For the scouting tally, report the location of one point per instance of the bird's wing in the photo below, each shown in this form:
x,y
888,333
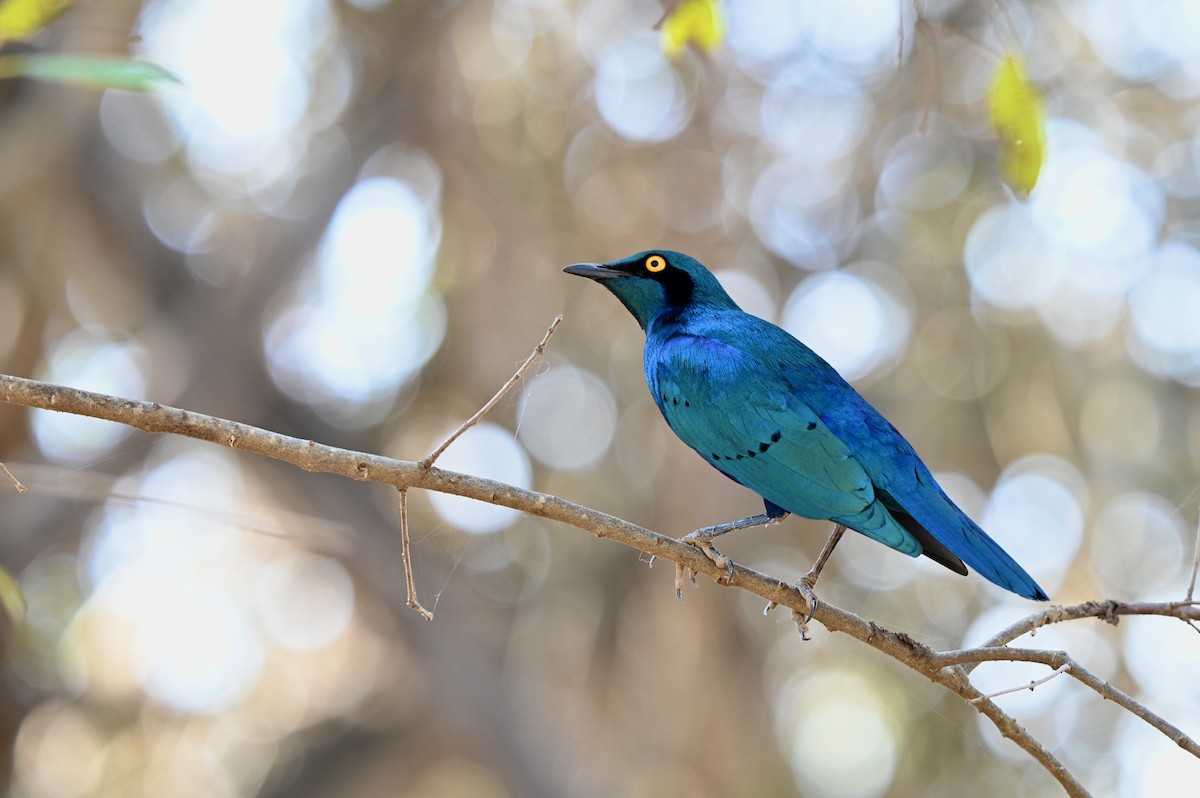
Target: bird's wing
x,y
752,428
748,421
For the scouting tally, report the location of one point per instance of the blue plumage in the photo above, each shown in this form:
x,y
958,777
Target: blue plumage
x,y
769,413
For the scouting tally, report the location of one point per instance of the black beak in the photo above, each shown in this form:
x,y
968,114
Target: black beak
x,y
594,271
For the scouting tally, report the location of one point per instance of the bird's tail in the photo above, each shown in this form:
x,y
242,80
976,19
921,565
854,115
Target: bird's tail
x,y
947,528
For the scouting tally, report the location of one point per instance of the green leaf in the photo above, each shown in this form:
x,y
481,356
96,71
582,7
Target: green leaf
x,y
20,19
95,72
1018,117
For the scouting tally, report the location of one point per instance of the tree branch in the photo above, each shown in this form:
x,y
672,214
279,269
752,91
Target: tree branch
x,y
949,669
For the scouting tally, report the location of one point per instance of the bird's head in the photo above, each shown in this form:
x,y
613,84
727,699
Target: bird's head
x,y
657,283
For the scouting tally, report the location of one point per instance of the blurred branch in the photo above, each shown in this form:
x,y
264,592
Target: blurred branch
x,y
949,669
1195,567
16,482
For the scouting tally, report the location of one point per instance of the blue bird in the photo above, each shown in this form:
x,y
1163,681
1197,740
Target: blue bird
x,y
769,413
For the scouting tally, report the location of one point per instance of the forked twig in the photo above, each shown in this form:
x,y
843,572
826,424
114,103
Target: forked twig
x,y
1059,671
427,463
537,352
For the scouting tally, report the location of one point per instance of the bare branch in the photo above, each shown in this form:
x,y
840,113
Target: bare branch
x,y
406,554
1109,611
403,475
537,352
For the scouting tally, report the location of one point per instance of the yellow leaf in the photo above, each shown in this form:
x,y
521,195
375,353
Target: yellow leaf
x,y
698,22
20,19
1018,117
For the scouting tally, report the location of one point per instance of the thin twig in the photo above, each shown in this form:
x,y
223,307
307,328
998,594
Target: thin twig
x,y
537,352
1059,671
406,555
21,488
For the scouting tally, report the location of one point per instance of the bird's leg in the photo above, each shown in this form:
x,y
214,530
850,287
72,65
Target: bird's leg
x,y
702,539
809,581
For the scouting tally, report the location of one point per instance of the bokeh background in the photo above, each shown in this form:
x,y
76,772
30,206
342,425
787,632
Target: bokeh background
x,y
347,224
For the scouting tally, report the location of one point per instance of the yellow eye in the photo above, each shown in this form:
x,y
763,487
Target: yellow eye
x,y
656,263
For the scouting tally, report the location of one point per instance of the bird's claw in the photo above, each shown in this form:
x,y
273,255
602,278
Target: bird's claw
x,y
682,573
810,598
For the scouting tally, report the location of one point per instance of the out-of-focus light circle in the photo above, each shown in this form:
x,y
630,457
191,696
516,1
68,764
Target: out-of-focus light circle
x,y
1137,546
749,293
812,118
134,127
639,94
1161,657
1151,763
853,323
59,751
485,450
243,68
1010,262
805,212
766,30
305,602
1036,514
1078,317
836,734
81,360
172,528
1102,212
1118,38
195,650
1121,419
568,418
857,34
1163,308
926,169
363,320
959,359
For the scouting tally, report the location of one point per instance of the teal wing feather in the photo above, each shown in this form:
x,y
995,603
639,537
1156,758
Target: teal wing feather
x,y
758,432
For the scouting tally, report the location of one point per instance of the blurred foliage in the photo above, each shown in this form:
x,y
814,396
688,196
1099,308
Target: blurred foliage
x,y
699,22
348,223
20,19
97,73
1018,115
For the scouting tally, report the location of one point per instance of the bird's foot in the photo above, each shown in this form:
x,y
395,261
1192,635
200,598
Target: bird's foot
x,y
702,540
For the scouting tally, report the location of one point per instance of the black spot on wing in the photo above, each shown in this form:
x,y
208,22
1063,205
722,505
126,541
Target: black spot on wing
x,y
776,435
812,425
